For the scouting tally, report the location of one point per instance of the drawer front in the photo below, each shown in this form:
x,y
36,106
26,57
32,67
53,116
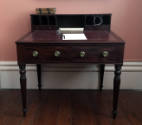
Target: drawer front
x,y
68,54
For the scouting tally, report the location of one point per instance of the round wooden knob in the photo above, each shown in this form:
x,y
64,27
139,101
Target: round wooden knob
x,y
35,53
57,53
105,54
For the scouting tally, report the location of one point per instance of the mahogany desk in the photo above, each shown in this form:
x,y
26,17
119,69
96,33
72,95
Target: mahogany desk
x,y
45,45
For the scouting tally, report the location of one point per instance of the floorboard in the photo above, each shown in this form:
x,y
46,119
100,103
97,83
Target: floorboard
x,y
73,107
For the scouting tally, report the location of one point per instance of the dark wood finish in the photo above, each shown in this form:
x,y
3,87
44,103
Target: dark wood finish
x,y
55,107
70,54
101,76
116,85
47,42
39,76
39,46
42,27
22,71
53,37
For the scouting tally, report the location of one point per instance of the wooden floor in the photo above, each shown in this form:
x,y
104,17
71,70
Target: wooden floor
x,y
70,108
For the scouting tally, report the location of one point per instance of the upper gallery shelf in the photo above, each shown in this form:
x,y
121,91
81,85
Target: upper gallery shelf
x,y
54,21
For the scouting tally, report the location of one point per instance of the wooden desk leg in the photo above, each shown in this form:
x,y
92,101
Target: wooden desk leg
x,y
101,76
23,86
39,76
116,87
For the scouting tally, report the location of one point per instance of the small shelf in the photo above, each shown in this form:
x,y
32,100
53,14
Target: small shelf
x,y
52,20
35,20
89,20
44,20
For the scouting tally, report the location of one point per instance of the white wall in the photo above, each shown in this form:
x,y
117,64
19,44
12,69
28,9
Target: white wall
x,y
70,76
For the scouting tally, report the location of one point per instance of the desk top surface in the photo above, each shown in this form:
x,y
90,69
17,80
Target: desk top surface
x,y
52,36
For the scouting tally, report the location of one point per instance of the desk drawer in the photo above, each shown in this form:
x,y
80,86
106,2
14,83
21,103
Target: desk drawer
x,y
67,54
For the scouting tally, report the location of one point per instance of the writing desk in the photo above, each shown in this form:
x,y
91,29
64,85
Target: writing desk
x,y
45,45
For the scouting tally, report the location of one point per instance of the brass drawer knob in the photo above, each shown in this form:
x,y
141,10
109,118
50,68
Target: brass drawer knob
x,y
82,54
105,54
35,53
57,53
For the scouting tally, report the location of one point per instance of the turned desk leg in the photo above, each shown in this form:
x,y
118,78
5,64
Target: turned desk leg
x,y
39,76
116,87
23,86
101,76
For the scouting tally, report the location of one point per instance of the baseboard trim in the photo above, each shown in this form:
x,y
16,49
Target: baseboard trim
x,y
70,76
127,67
52,89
